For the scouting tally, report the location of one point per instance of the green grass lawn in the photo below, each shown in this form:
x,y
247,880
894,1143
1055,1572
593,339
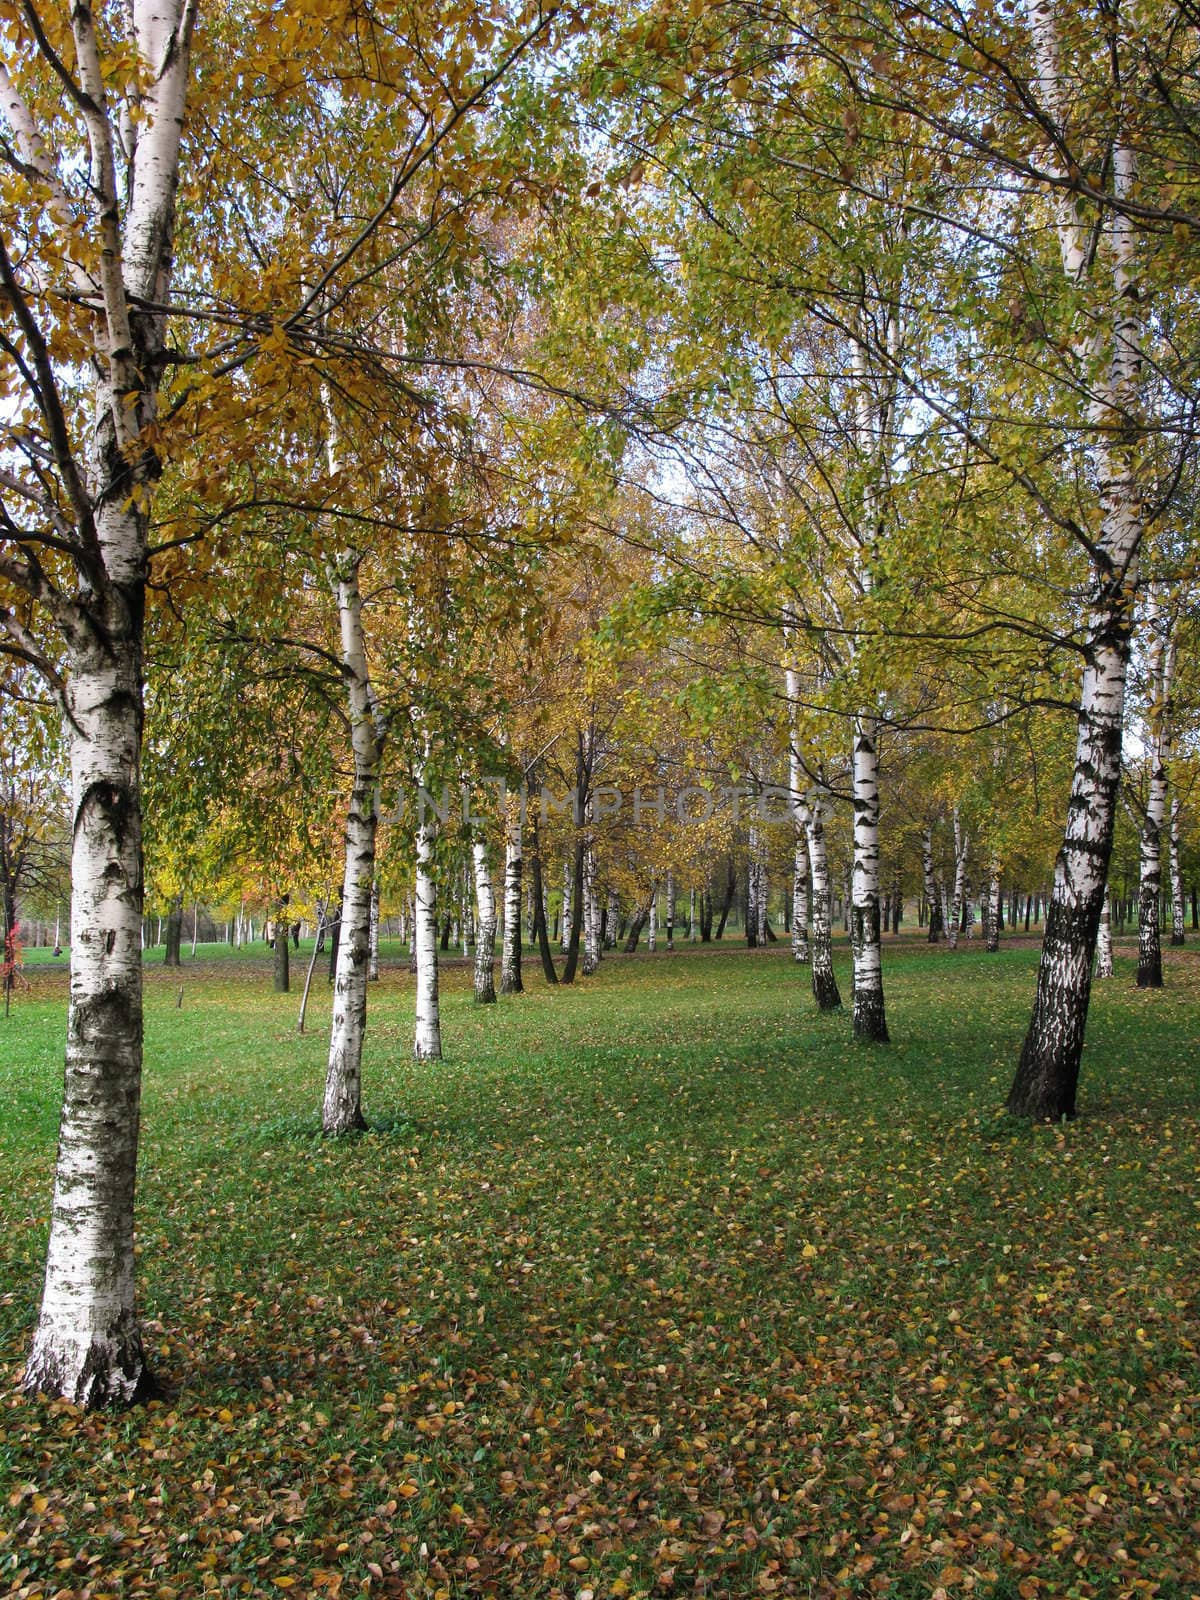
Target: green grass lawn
x,y
657,1286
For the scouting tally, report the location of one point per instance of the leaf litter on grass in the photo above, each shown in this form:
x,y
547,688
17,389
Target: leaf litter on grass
x,y
646,1293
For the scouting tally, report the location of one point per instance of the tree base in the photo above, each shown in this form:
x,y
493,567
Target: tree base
x,y
870,1021
107,1373
1149,975
825,991
1043,1089
339,1127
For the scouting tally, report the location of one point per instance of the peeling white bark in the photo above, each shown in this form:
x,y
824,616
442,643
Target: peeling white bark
x,y
869,1014
1104,949
1048,1072
342,1111
1177,913
485,925
427,1039
824,983
933,893
1159,721
591,912
510,962
962,848
86,1346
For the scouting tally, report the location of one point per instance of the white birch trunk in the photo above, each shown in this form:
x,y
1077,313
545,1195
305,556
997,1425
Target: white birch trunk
x,y
342,1112
870,1020
1177,913
427,1039
1047,1074
1159,721
652,926
824,982
485,925
933,893
800,951
591,913
1104,949
565,930
510,963
962,847
373,957
670,911
753,887
799,810
991,920
86,1346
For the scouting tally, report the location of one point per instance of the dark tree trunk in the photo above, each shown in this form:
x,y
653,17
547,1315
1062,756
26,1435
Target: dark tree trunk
x,y
172,958
727,903
335,938
641,917
282,977
540,931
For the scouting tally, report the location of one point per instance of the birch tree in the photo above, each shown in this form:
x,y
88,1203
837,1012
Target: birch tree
x,y
96,181
342,1108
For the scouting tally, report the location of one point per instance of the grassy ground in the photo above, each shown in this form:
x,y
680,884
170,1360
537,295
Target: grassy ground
x,y
656,1287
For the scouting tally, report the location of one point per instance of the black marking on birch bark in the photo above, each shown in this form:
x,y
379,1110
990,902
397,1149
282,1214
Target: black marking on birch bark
x,y
117,809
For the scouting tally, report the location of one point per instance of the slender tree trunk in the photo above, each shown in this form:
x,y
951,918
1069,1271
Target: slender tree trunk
x,y
591,914
1047,1074
1159,719
670,909
824,983
565,931
870,1021
172,956
1177,912
800,950
510,963
652,926
706,916
312,965
962,845
636,927
427,1040
280,928
576,905
994,913
727,902
932,890
342,1112
1104,949
540,931
373,959
485,924
753,890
